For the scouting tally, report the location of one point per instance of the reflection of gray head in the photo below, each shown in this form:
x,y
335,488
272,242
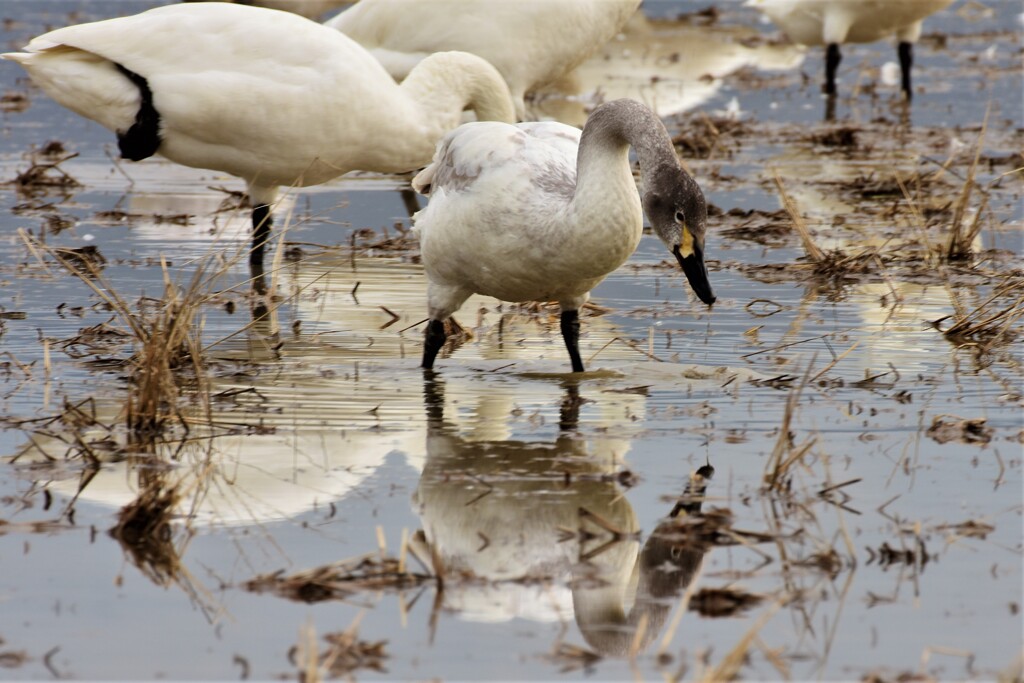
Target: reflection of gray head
x,y
667,565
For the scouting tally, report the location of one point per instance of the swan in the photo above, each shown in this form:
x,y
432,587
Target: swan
x,y
532,43
834,22
541,211
262,94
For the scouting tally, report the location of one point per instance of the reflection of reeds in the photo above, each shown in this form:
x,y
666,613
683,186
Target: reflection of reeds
x,y
340,580
988,324
961,234
831,263
144,529
345,653
166,336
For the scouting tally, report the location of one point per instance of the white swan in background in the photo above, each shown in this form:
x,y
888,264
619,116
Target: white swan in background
x,y
265,95
834,22
531,43
541,212
313,9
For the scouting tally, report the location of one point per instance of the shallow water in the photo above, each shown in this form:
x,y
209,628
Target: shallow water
x,y
535,494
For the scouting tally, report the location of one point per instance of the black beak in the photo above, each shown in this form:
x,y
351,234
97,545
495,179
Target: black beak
x,y
696,273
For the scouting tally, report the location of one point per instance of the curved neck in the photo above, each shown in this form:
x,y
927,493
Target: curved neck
x,y
615,127
446,83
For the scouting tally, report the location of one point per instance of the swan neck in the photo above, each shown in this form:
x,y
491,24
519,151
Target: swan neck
x,y
447,83
613,128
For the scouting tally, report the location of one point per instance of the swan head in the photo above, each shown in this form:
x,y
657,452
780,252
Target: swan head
x,y
675,206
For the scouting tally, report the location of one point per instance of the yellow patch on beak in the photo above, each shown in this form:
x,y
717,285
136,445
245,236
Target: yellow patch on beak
x,y
686,248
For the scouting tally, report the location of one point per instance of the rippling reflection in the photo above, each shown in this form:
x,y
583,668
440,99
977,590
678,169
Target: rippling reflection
x,y
671,66
542,530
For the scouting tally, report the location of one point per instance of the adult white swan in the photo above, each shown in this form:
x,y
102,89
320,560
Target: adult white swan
x,y
833,22
265,95
541,212
531,43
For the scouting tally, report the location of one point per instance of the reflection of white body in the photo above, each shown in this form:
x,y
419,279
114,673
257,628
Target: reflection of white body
x,y
289,466
669,66
820,22
531,43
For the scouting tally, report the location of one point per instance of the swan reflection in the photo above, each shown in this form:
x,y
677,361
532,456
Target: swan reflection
x,y
671,66
543,531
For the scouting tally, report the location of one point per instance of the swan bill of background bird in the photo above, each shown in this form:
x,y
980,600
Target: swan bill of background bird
x,y
532,44
544,212
261,94
834,22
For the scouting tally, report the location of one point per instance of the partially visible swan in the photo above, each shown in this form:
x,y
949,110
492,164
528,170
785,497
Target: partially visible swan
x,y
531,43
833,22
265,95
541,212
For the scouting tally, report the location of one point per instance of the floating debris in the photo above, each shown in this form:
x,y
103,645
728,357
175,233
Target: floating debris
x,y
339,580
723,602
972,431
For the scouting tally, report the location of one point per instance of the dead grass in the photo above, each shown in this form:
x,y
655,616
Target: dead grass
x,y
991,323
345,653
145,532
164,335
340,580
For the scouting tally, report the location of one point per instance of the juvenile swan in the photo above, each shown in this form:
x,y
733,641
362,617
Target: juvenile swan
x,y
541,212
265,95
833,22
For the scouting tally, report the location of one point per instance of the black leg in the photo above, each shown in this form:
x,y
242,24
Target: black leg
x,y
906,52
832,59
571,335
433,340
261,222
412,204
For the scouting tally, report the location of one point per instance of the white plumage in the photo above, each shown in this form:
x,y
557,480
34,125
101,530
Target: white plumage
x,y
531,42
265,95
834,22
539,211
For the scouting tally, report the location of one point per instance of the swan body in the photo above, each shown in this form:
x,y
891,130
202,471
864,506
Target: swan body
x,y
532,43
265,95
541,211
834,22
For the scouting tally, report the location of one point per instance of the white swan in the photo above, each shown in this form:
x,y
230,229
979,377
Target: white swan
x,y
532,43
833,22
541,212
265,95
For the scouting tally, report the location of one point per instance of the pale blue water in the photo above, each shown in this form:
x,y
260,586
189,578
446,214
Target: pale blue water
x,y
345,446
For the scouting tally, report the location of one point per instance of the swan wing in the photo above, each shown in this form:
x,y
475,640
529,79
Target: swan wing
x,y
254,92
542,154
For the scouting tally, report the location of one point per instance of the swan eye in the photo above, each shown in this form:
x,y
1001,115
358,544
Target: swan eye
x,y
680,218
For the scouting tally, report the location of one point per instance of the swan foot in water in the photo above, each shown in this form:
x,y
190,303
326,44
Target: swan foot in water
x,y
433,340
571,335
